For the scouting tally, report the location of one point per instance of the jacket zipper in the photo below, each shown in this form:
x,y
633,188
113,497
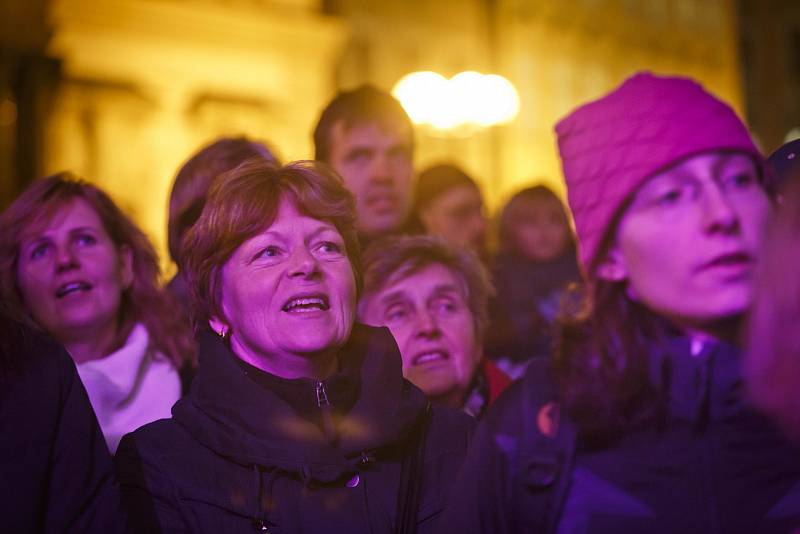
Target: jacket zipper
x,y
326,410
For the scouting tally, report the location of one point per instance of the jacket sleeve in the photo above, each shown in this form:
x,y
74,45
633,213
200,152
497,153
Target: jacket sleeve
x,y
83,494
481,500
148,495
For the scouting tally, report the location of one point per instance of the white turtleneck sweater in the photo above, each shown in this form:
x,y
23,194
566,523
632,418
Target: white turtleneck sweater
x,y
130,387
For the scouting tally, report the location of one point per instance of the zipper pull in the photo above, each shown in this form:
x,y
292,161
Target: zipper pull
x,y
327,412
322,395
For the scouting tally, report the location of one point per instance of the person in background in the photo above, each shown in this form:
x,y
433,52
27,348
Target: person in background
x,y
639,424
79,269
532,271
367,137
56,471
773,358
448,203
298,419
433,297
190,188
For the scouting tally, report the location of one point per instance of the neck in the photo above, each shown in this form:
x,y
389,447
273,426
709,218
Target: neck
x,y
88,346
318,366
725,330
453,399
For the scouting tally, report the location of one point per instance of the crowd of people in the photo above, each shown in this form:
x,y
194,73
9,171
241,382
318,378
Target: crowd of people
x,y
346,348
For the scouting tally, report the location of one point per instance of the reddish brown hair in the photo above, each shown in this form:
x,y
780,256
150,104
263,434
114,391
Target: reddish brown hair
x,y
144,301
244,202
191,184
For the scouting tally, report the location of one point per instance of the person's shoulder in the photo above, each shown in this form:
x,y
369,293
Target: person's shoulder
x,y
30,354
524,397
160,438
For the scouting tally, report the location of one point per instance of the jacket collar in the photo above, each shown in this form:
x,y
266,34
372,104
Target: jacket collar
x,y
698,384
255,424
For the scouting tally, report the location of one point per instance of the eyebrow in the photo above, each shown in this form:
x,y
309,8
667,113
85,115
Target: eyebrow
x,y
444,289
394,296
45,236
438,290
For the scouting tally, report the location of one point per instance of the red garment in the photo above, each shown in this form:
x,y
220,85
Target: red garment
x,y
498,381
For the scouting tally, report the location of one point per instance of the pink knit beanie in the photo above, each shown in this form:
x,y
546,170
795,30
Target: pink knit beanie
x,y
611,146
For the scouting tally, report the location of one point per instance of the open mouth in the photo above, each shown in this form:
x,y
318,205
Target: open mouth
x,y
72,287
306,304
430,356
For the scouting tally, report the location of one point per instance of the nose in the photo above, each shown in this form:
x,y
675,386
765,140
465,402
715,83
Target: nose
x,y
382,169
303,264
720,214
66,259
427,325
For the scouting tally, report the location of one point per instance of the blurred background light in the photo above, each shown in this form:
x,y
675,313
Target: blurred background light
x,y
467,99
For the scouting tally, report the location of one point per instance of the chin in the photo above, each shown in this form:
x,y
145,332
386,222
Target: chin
x,y
314,345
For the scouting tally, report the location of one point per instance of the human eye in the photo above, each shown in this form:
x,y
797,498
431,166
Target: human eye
x,y
669,196
328,247
445,306
400,154
742,180
268,252
395,313
359,155
39,250
85,239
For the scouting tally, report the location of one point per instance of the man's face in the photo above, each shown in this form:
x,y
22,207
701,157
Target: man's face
x,y
375,161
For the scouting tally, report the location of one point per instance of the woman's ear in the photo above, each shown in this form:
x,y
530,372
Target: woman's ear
x,y
613,267
218,327
126,266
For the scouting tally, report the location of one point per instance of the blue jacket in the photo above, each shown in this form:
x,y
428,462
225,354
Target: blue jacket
x,y
710,466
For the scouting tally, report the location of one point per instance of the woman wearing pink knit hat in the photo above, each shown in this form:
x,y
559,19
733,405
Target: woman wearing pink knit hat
x,y
639,424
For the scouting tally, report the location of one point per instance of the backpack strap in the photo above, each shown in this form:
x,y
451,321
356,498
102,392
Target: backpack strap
x,y
545,456
410,490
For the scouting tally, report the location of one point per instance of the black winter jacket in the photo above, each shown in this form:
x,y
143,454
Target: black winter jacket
x,y
711,467
56,474
259,451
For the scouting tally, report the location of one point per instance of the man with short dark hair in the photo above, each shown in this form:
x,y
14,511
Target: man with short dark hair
x,y
367,137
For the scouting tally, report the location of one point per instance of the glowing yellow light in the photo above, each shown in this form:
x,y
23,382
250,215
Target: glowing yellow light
x,y
420,93
468,98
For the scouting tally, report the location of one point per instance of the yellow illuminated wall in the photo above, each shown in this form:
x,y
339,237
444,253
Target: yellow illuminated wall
x,y
147,82
558,54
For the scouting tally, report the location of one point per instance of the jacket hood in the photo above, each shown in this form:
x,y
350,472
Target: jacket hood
x,y
238,418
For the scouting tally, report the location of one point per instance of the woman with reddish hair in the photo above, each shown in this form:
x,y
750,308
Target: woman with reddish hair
x,y
76,267
639,424
299,419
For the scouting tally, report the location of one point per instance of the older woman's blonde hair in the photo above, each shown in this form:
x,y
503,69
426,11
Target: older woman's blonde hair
x,y
143,302
244,202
